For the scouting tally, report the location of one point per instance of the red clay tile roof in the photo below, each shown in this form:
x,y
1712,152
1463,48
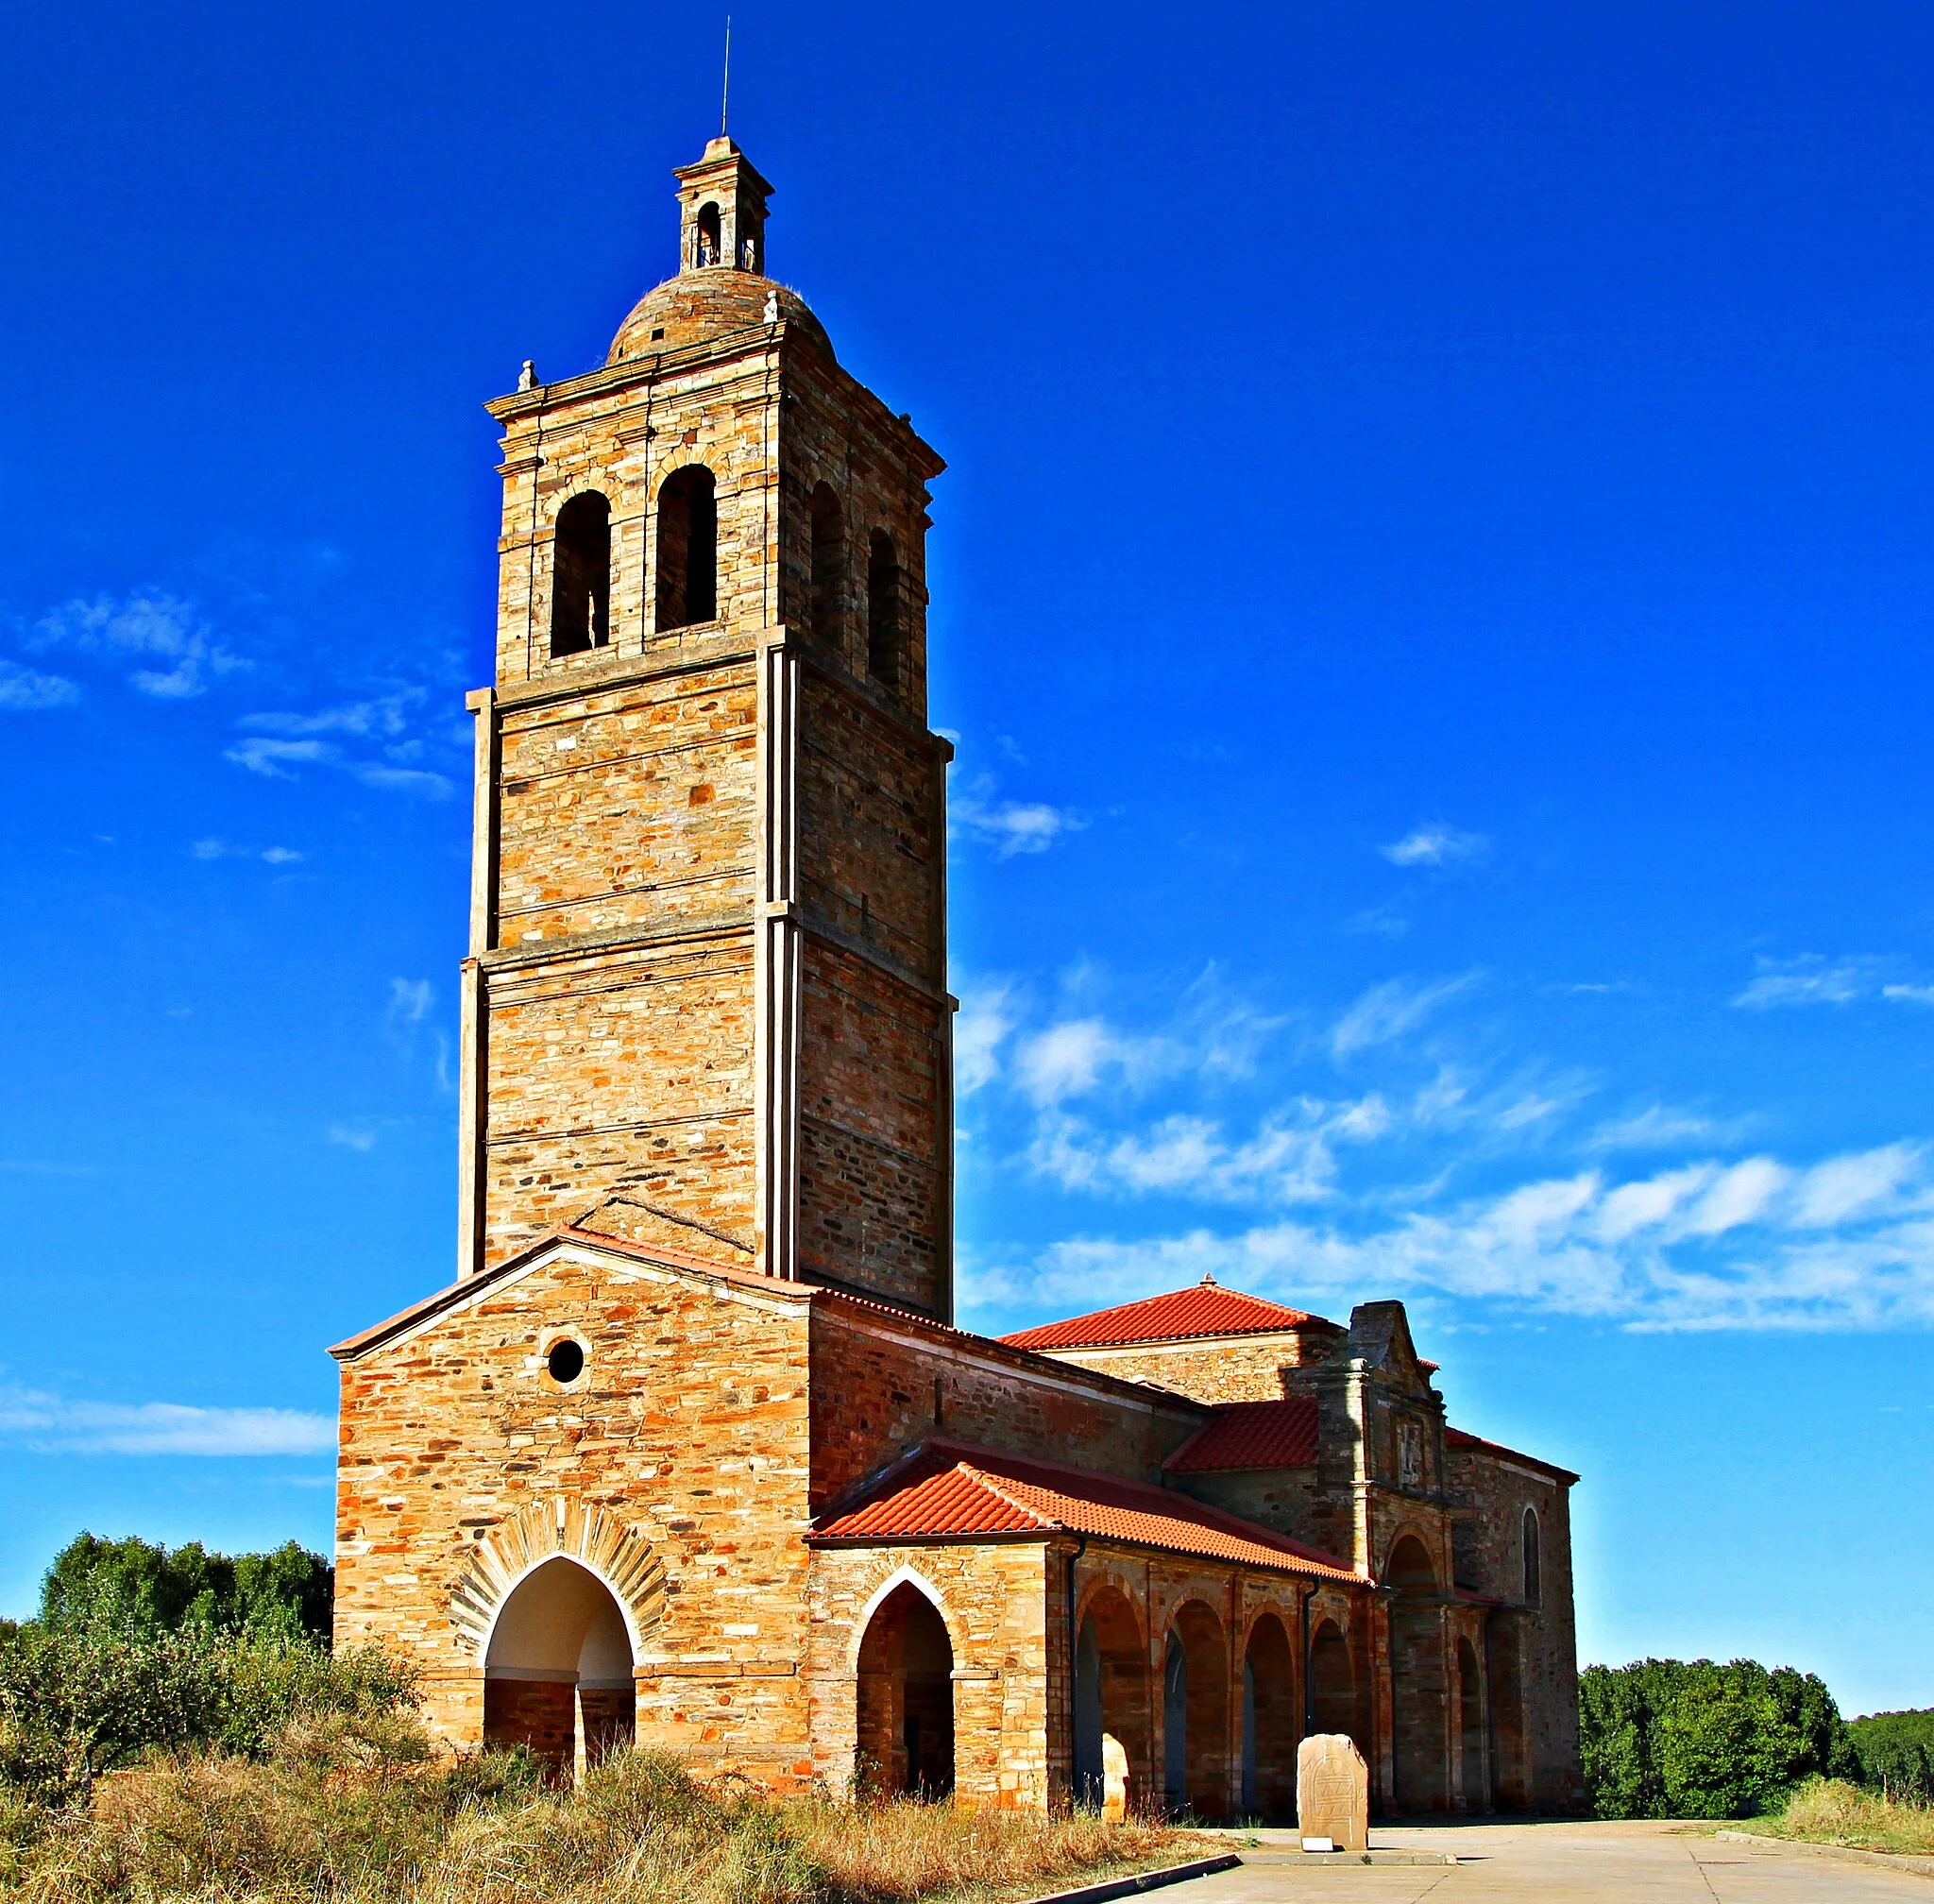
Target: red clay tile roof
x,y
1458,1437
1207,1309
946,1491
1251,1434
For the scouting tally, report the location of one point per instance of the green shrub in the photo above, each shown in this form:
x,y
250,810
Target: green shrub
x,y
1677,1739
79,1701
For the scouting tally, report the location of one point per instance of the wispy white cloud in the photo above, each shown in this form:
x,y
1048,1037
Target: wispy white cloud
x,y
410,1000
1758,1244
382,718
1392,1011
352,1136
985,1020
1377,922
398,779
224,849
60,1425
1435,843
1814,979
1208,1035
1014,827
25,690
172,634
975,811
1658,1127
1290,1159
278,758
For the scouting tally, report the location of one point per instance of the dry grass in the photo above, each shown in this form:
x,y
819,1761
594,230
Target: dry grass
x,y
356,1819
1830,1811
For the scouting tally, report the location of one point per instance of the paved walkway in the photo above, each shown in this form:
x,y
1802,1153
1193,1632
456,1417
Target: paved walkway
x,y
1557,1864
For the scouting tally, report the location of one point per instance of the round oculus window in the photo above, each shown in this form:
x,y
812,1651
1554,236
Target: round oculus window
x,y
565,1360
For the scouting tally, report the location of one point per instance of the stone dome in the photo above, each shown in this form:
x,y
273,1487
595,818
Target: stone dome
x,y
697,306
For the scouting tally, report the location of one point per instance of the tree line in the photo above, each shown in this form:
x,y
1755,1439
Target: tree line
x,y
1691,1738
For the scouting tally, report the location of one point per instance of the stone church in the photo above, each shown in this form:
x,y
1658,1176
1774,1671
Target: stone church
x,y
690,1453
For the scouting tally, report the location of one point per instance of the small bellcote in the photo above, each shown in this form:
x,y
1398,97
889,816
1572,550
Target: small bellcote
x,y
722,210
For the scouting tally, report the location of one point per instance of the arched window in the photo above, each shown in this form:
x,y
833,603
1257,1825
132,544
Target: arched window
x,y
828,567
581,575
688,547
1533,1564
883,629
706,235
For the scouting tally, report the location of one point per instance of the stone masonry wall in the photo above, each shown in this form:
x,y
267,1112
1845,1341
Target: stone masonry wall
x,y
633,806
868,823
880,1391
1286,1499
993,1598
1491,1493
630,1064
689,1425
873,1130
1228,1369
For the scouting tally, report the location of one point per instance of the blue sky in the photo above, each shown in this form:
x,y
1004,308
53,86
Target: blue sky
x,y
1432,591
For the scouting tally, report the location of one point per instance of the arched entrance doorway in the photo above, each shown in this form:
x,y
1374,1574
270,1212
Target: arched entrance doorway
x,y
1195,1714
905,1699
1470,1726
559,1668
1111,1696
1270,1728
1417,1680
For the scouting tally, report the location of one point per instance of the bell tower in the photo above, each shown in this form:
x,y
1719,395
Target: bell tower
x,y
706,982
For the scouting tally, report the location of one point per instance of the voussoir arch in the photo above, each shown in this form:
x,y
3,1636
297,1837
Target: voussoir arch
x,y
903,1577
619,1555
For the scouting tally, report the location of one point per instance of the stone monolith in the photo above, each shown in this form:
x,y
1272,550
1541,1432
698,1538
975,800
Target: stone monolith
x,y
1332,1791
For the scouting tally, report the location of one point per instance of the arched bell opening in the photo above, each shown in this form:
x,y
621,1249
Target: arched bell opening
x,y
1195,1714
688,547
559,1670
1271,1729
581,575
905,1699
1110,1699
705,236
1417,1677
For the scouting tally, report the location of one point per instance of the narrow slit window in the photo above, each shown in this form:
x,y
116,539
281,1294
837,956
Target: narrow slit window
x,y
1534,1560
581,577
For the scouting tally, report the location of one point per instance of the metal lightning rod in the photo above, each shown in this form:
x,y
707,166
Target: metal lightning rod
x,y
725,95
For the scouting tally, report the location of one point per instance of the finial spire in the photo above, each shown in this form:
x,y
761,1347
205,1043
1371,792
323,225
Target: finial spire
x,y
725,91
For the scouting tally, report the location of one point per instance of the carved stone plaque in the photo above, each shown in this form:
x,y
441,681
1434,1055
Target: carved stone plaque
x,y
1332,1791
